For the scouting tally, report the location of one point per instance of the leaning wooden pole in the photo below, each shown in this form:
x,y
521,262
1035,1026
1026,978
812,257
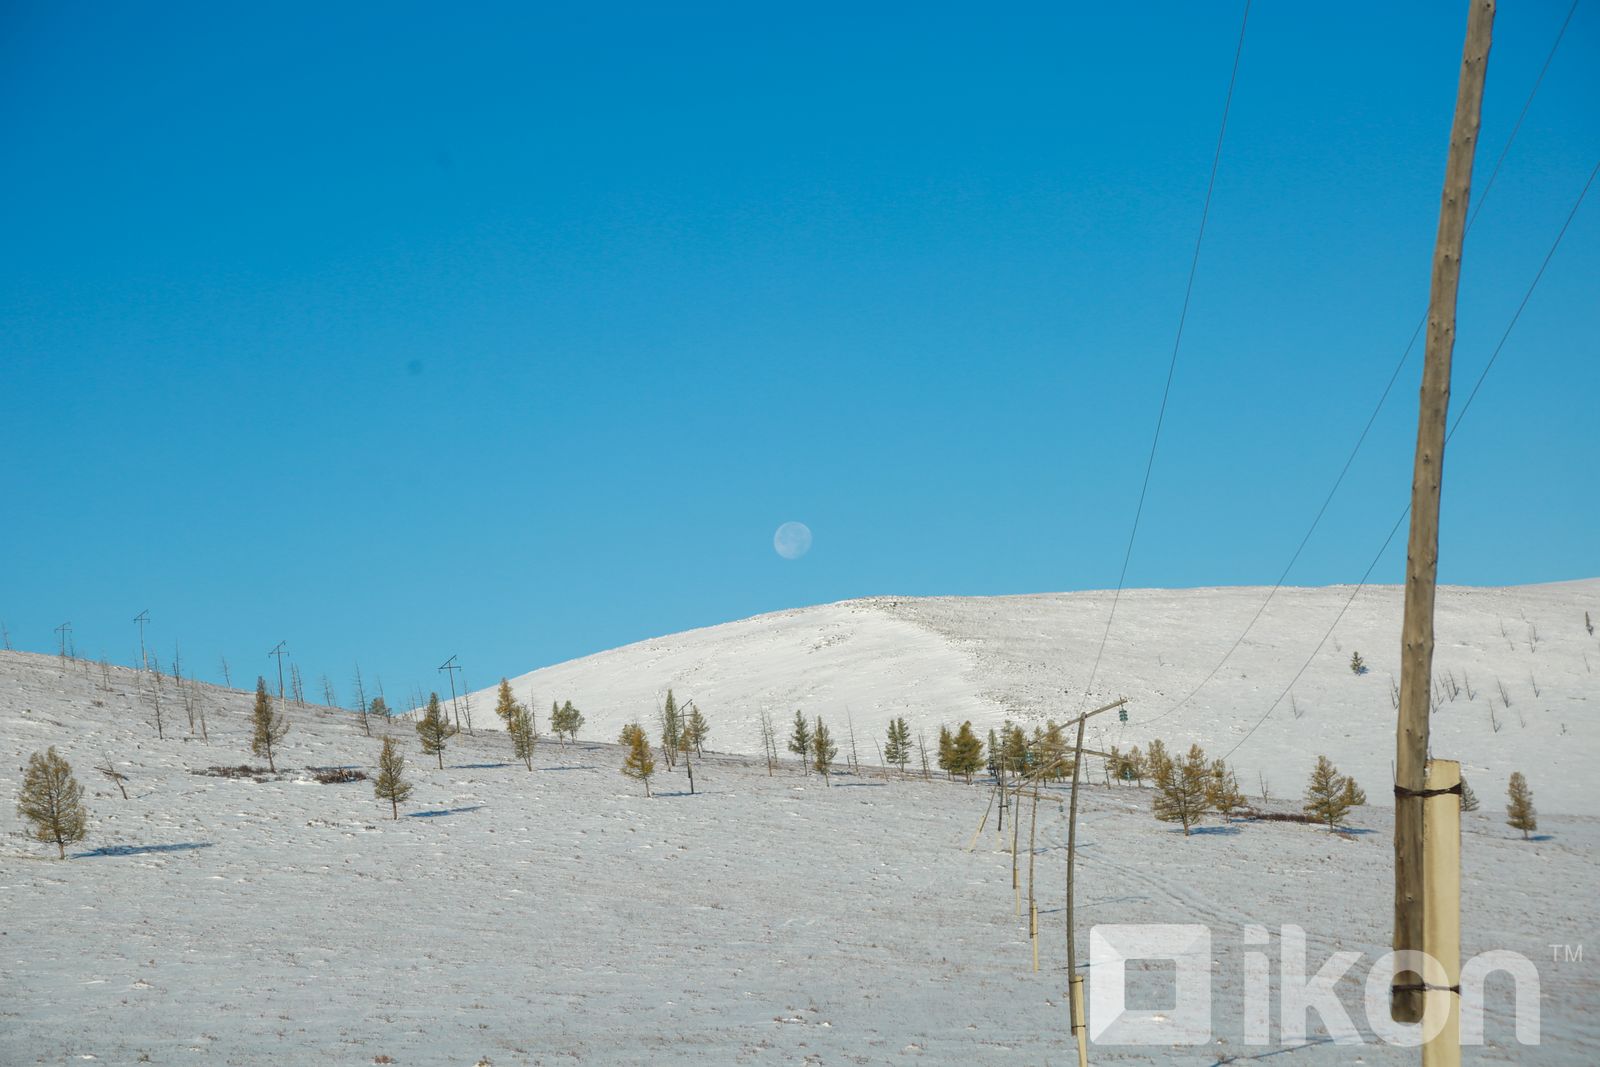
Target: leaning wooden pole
x,y
1422,549
1074,980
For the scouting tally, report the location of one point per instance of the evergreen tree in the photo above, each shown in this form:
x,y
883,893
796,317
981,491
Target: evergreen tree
x,y
1052,751
1353,796
1157,762
696,729
947,748
1014,747
566,721
894,749
904,729
52,801
1519,809
268,726
391,784
1358,666
523,739
1133,766
1469,799
506,705
966,754
800,741
1224,794
1327,794
637,762
671,730
434,729
823,750
1181,792
379,708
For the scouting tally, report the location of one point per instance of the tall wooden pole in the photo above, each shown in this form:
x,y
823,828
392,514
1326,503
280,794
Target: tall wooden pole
x,y
1074,980
1422,550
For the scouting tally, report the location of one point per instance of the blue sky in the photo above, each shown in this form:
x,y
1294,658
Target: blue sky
x,y
395,331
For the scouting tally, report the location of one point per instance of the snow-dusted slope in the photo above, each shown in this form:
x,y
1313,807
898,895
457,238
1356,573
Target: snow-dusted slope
x,y
1028,658
521,917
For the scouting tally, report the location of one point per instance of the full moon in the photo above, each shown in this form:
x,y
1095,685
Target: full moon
x,y
792,540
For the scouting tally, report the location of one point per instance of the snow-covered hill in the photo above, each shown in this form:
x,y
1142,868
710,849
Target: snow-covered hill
x,y
1519,676
517,917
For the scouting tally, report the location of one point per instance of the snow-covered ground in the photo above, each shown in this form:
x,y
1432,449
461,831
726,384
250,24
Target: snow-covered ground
x,y
559,916
947,659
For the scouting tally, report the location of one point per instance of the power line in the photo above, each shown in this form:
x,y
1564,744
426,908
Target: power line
x,y
1383,398
1177,343
1455,425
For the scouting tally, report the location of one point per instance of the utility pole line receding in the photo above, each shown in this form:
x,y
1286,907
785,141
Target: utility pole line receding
x,y
1406,998
64,631
144,657
280,651
450,666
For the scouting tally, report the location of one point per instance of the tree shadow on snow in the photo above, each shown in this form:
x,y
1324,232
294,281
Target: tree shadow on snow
x,y
139,850
583,767
1210,831
474,766
442,811
1242,1058
860,785
1542,837
686,793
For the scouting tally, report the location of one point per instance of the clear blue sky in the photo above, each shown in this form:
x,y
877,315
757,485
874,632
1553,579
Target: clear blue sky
x,y
396,331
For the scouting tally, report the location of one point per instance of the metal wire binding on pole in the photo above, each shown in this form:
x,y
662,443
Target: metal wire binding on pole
x,y
1383,398
1172,364
1454,426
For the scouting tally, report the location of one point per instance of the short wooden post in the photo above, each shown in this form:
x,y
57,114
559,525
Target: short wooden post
x,y
1441,937
1079,1030
1016,877
1033,903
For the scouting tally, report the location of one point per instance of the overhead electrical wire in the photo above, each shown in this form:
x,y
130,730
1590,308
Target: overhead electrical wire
x,y
1383,397
1454,425
1177,343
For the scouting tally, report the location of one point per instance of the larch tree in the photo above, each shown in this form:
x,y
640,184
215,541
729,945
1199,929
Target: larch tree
x,y
800,741
1327,794
696,729
1224,793
823,751
433,730
966,752
268,726
391,784
895,745
671,730
1182,792
505,704
523,738
1469,799
1520,814
637,763
566,721
51,801
947,749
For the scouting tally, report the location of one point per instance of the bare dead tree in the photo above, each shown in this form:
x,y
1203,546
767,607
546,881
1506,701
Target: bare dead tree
x,y
328,699
1533,682
922,751
361,701
115,775
297,685
1505,697
227,677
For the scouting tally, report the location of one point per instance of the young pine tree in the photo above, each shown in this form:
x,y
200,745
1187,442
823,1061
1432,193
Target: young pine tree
x,y
823,751
671,730
1181,793
523,739
268,726
893,755
800,741
1157,762
1327,794
637,763
505,704
903,740
947,749
966,752
1469,799
379,709
566,721
52,801
1358,666
433,729
1519,807
1133,764
1225,795
1353,796
391,784
696,729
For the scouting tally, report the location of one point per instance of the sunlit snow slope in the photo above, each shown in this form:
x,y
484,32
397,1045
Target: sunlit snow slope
x,y
1028,658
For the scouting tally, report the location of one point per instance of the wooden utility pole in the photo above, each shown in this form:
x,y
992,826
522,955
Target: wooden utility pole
x,y
144,657
451,667
1075,980
1422,549
280,650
